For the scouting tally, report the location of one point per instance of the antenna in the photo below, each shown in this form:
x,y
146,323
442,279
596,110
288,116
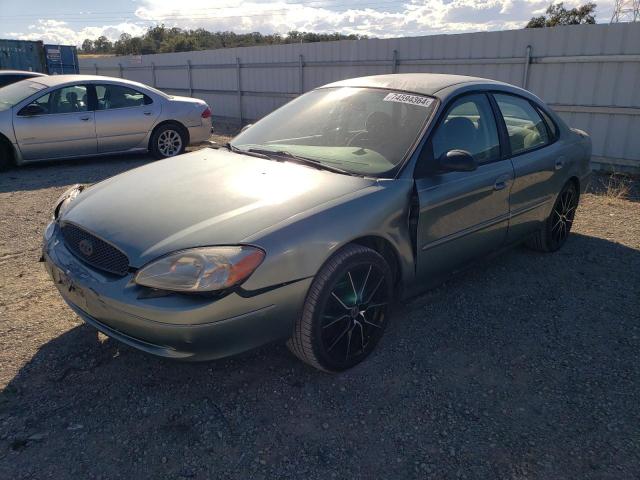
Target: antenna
x,y
626,11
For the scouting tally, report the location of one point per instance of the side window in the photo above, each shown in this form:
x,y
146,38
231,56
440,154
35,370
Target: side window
x,y
117,96
469,125
524,124
64,100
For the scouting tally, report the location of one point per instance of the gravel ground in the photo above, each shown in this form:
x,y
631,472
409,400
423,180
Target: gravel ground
x,y
524,367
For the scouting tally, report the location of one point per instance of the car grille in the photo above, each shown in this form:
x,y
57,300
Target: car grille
x,y
95,251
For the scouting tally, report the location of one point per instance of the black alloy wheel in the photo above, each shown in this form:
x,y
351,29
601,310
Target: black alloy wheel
x,y
346,310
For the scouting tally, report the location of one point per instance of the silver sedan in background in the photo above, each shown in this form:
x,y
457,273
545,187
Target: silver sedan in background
x,y
70,116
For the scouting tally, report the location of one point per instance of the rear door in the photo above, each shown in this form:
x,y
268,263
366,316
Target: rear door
x,y
538,162
124,116
462,215
63,126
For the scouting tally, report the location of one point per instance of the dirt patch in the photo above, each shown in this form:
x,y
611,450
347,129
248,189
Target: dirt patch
x,y
524,367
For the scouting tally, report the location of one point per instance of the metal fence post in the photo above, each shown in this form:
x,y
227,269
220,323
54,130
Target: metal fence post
x,y
239,89
121,70
153,74
190,78
96,67
394,64
301,74
527,62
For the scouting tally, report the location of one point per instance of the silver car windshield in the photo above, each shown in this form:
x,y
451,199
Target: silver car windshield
x,y
366,131
16,92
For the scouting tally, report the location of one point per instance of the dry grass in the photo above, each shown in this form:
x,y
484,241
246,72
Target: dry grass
x,y
616,186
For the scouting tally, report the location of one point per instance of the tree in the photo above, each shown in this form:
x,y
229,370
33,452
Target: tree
x,y
123,45
87,46
160,39
558,15
103,45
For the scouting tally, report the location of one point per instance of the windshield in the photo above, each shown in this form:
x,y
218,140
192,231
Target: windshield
x,y
366,131
16,92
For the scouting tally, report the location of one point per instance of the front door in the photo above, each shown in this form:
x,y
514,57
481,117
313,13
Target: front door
x,y
58,124
124,117
462,215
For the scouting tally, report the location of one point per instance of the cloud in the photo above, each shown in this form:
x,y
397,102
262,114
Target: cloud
x,y
60,32
381,18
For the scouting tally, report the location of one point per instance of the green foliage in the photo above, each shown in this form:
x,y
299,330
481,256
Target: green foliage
x,y
102,45
558,15
160,39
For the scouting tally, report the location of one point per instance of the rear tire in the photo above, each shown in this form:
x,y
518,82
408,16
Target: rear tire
x,y
553,235
168,140
345,312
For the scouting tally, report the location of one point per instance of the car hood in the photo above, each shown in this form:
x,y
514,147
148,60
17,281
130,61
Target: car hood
x,y
208,197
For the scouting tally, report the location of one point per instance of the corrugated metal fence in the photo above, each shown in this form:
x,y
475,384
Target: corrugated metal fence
x,y
589,74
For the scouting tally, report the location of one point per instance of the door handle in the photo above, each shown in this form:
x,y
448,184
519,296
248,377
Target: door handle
x,y
84,119
559,163
501,183
147,113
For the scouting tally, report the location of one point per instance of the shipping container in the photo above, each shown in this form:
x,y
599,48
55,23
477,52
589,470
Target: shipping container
x,y
36,57
61,59
22,55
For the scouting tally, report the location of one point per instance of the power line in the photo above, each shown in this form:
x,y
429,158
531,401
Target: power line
x,y
80,16
626,11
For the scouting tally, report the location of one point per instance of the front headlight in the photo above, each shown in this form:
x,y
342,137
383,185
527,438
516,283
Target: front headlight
x,y
203,269
62,204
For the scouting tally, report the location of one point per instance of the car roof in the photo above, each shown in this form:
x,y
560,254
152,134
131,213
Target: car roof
x,y
55,80
422,83
22,72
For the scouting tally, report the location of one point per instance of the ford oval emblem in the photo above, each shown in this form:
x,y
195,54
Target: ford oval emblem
x,y
86,247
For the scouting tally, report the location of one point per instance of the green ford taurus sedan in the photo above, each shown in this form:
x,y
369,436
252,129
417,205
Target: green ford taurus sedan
x,y
311,222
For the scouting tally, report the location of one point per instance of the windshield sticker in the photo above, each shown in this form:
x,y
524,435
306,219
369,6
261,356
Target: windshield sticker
x,y
409,99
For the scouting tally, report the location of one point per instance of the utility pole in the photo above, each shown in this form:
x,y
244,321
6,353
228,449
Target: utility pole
x,y
626,11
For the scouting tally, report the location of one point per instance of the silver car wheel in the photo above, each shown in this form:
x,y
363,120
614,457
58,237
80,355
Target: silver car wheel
x,y
169,143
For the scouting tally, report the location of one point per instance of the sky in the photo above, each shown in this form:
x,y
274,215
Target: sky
x,y
71,21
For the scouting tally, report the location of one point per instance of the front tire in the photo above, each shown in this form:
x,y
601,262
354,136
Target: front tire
x,y
168,140
553,235
345,312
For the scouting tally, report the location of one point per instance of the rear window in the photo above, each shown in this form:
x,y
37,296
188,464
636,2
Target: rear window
x,y
17,92
9,79
553,129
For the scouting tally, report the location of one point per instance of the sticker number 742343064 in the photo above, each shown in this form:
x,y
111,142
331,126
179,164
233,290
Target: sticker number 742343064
x,y
417,100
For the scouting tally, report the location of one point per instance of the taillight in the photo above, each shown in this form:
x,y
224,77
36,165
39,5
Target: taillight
x,y
206,113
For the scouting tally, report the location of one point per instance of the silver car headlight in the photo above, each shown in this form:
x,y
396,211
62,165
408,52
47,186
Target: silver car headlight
x,y
203,269
63,202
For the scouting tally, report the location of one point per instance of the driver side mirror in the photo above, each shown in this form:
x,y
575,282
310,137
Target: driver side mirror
x,y
31,110
457,161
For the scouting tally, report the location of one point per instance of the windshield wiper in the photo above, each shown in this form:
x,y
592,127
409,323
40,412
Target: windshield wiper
x,y
298,159
234,149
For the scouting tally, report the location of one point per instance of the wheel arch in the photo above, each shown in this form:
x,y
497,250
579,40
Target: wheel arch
x,y
184,129
10,148
388,251
576,181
